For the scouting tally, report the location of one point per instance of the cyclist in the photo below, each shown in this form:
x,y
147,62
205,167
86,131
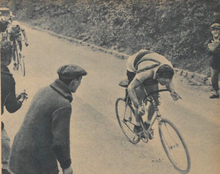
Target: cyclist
x,y
14,34
145,70
214,52
9,100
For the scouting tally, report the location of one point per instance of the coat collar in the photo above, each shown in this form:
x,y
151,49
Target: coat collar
x,y
5,70
61,88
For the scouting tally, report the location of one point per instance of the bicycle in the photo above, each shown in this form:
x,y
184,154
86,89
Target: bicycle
x,y
18,58
170,137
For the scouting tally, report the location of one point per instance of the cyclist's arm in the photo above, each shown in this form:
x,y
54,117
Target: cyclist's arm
x,y
131,91
12,104
24,34
170,86
136,82
173,94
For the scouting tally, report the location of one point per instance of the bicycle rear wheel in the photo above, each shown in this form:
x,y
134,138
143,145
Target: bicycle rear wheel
x,y
16,60
125,115
22,64
174,146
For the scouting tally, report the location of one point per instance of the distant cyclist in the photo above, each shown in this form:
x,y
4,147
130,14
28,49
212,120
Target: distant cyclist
x,y
145,70
14,33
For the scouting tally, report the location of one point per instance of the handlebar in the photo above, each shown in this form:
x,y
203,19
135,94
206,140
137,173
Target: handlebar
x,y
158,91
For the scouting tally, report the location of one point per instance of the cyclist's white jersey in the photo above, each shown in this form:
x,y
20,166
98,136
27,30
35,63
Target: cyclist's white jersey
x,y
150,61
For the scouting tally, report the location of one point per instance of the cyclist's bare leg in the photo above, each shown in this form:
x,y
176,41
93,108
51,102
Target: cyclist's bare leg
x,y
140,93
13,54
156,98
19,39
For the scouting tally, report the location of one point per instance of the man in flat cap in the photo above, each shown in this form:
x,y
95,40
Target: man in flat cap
x,y
214,53
44,137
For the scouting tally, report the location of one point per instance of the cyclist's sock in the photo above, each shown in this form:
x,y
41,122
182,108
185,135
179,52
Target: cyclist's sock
x,y
138,124
148,121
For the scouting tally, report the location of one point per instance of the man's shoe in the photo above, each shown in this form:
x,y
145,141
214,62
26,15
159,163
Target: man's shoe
x,y
214,96
137,129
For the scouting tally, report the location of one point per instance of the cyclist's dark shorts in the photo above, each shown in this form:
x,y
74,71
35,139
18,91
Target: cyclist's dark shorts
x,y
147,82
15,37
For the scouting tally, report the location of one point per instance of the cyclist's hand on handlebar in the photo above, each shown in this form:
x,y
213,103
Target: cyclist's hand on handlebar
x,y
174,95
156,102
141,110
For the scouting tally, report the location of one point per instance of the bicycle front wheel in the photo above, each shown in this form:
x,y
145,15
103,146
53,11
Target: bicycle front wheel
x,y
125,117
174,146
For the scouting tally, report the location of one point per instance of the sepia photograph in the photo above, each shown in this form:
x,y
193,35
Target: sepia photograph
x,y
110,86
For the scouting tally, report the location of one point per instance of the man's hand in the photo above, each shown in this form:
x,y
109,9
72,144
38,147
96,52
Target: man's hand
x,y
141,110
174,95
212,46
26,44
69,170
23,96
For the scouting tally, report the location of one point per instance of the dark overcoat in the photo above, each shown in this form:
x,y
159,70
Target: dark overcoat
x,y
44,135
215,56
8,96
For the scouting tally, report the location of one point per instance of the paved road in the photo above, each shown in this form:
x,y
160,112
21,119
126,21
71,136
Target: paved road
x,y
97,143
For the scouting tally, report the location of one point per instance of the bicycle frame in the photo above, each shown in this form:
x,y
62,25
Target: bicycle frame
x,y
170,136
157,116
18,57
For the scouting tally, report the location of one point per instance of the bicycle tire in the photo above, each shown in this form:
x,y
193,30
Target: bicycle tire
x,y
129,134
22,65
17,59
186,157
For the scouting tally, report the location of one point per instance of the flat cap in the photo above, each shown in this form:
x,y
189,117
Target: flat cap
x,y
215,26
71,72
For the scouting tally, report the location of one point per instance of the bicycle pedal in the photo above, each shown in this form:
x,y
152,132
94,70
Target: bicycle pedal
x,y
141,134
151,134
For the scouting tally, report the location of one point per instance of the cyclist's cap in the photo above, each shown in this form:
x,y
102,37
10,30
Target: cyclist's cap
x,y
215,26
71,72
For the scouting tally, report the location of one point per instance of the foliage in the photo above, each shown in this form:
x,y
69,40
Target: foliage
x,y
177,29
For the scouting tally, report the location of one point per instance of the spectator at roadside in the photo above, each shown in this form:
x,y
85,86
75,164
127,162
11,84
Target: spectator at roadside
x,y
8,99
44,136
214,52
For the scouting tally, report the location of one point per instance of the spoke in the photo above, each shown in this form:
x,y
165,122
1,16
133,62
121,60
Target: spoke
x,y
170,137
170,134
